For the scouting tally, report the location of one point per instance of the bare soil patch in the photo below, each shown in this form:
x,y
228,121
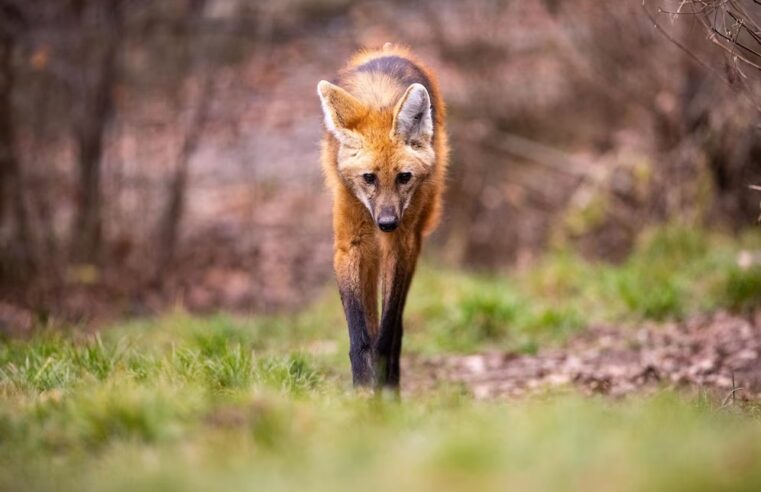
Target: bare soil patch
x,y
720,353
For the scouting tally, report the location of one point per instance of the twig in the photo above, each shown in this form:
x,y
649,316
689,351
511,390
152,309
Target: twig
x,y
731,395
541,154
679,45
713,16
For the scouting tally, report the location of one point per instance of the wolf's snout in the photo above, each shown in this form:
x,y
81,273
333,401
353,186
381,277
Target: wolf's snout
x,y
387,221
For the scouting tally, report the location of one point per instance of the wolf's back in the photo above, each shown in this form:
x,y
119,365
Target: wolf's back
x,y
379,77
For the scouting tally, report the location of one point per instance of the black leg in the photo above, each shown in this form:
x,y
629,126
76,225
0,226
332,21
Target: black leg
x,y
360,346
389,344
394,373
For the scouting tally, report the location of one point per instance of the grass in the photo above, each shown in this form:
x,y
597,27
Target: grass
x,y
263,403
672,274
176,419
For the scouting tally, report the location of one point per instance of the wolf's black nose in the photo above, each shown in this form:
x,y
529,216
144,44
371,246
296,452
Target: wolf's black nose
x,y
387,223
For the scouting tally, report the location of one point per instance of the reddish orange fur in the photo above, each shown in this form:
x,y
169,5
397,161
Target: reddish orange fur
x,y
376,124
363,255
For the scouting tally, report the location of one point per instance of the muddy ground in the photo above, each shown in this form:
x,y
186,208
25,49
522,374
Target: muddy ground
x,y
718,353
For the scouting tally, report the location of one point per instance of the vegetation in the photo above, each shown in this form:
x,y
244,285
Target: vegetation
x,y
189,403
162,153
170,423
673,273
155,151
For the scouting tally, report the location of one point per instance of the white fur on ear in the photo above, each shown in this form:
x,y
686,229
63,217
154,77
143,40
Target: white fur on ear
x,y
340,110
323,89
413,119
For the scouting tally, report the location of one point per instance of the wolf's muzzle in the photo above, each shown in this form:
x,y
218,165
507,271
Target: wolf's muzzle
x,y
387,221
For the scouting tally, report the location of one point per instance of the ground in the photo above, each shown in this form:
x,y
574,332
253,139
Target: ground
x,y
566,375
719,353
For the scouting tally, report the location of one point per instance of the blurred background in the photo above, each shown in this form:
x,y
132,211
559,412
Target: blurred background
x,y
163,153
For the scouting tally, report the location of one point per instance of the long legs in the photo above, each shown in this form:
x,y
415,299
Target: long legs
x,y
357,273
398,269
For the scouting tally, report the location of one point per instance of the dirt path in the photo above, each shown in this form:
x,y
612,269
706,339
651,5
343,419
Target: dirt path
x,y
705,352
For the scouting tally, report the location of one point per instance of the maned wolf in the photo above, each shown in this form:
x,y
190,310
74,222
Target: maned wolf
x,y
384,156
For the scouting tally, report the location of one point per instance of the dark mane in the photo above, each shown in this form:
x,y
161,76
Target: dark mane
x,y
403,70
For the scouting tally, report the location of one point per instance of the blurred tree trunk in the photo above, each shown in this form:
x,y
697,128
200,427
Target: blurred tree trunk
x,y
169,224
87,233
11,189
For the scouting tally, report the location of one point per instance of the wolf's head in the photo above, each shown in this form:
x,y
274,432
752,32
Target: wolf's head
x,y
384,155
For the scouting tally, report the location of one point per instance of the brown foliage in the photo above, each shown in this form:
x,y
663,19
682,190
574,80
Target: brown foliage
x,y
161,144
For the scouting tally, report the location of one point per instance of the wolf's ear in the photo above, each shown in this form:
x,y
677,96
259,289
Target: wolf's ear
x,y
341,110
412,116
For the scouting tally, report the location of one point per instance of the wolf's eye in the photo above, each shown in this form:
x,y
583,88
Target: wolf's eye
x,y
369,178
404,178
